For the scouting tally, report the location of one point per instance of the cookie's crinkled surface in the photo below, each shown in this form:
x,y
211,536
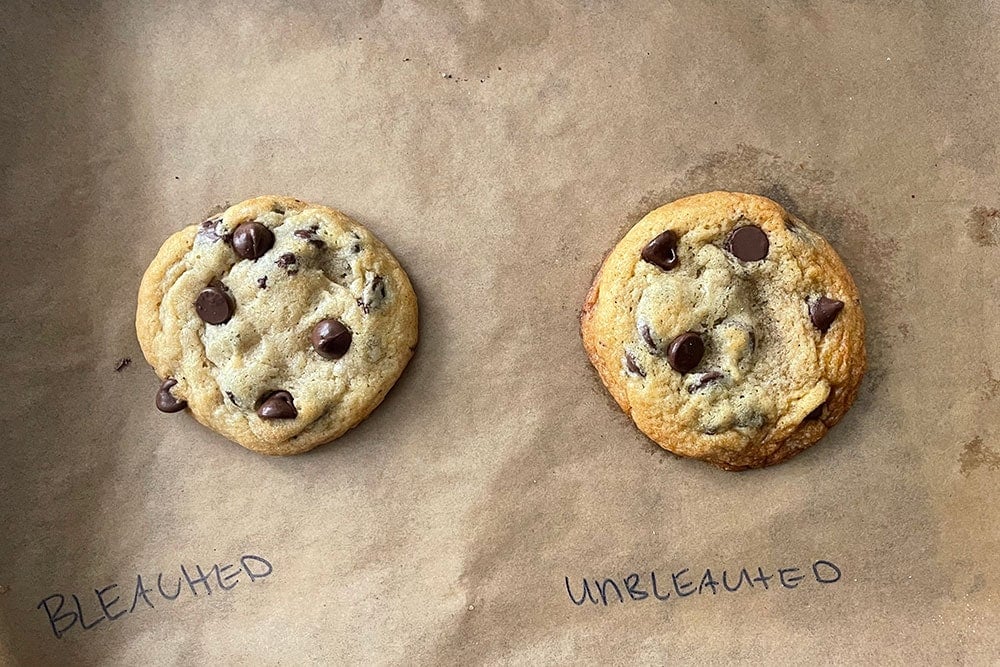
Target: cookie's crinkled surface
x,y
770,381
321,266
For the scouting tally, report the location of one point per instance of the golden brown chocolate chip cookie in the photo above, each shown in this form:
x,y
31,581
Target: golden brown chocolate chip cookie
x,y
727,329
278,324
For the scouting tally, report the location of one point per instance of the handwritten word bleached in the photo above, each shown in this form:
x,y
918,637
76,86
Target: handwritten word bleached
x,y
166,588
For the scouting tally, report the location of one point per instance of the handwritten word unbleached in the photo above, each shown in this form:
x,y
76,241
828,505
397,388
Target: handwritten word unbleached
x,y
169,588
683,583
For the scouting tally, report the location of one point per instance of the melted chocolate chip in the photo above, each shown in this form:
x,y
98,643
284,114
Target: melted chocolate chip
x,y
647,336
331,339
373,295
824,311
209,230
252,239
685,352
165,401
632,366
277,405
262,282
748,243
311,236
662,251
703,380
213,305
288,262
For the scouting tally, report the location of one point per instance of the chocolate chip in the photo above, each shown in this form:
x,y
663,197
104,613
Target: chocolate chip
x,y
208,230
662,251
824,311
213,305
817,413
165,401
373,295
288,262
277,405
331,339
647,336
252,239
748,243
685,352
262,282
632,366
702,380
311,236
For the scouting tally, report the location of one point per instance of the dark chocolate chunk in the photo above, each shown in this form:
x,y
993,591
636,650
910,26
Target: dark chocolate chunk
x,y
662,251
331,339
288,262
817,413
748,243
262,282
277,405
165,401
824,311
311,236
252,239
685,352
702,380
632,366
647,336
214,305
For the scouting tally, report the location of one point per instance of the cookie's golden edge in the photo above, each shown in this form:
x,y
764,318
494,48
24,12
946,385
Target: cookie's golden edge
x,y
808,433
148,326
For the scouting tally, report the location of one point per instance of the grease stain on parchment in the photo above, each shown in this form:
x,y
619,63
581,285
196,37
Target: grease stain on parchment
x,y
976,454
991,385
983,226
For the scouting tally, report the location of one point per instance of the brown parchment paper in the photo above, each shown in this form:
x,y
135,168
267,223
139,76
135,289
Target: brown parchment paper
x,y
500,149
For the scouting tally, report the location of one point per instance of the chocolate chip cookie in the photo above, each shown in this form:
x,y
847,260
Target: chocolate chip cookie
x,y
727,329
278,324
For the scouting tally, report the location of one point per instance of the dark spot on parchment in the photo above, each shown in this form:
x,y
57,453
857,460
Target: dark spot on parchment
x,y
4,589
978,583
984,226
991,387
122,364
975,455
217,209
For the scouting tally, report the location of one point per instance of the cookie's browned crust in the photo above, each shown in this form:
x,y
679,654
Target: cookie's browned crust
x,y
778,369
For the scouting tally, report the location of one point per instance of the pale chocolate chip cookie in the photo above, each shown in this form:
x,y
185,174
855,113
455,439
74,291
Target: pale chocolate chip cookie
x,y
278,324
727,329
